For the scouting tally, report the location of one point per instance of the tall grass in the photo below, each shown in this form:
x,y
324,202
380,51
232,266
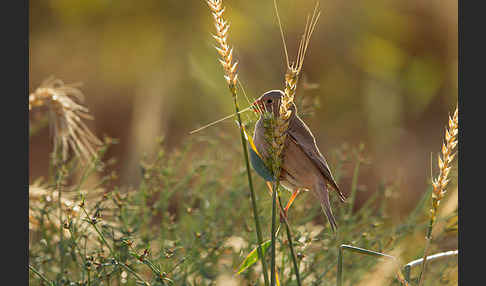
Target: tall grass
x,y
226,53
440,183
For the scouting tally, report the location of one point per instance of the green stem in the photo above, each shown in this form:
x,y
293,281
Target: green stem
x,y
292,252
99,233
424,260
274,226
76,247
339,277
60,176
134,273
354,187
252,192
111,251
40,275
428,238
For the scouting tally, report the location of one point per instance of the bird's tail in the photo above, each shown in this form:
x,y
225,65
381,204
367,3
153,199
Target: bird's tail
x,y
322,194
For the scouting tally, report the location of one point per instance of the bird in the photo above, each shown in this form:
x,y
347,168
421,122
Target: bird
x,y
303,166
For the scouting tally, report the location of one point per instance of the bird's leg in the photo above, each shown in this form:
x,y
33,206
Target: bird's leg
x,y
291,200
269,185
283,213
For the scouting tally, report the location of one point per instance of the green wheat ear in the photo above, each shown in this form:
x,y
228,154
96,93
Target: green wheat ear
x,y
256,160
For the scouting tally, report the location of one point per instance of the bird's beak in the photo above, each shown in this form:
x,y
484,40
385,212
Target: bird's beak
x,y
257,106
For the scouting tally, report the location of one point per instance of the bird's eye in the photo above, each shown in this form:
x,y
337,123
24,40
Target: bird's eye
x,y
269,101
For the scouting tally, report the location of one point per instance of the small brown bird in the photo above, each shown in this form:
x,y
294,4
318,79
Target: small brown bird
x,y
303,166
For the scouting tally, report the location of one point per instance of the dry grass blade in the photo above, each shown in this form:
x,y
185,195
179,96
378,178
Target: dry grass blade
x,y
384,270
219,120
281,33
65,118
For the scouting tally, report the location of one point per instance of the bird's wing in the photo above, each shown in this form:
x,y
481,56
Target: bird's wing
x,y
302,136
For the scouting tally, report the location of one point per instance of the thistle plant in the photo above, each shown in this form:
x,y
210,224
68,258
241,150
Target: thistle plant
x,y
226,60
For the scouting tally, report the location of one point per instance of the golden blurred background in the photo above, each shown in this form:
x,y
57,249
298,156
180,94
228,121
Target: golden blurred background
x,y
387,74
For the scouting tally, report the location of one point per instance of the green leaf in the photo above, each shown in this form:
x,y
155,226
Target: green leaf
x,y
253,256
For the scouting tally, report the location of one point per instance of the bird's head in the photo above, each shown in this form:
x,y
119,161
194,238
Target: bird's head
x,y
269,101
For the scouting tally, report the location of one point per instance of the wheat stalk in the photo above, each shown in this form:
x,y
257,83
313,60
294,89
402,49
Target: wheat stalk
x,y
291,78
66,114
231,76
276,128
439,184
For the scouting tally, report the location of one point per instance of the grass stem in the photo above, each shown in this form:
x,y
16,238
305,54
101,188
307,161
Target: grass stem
x,y
112,252
354,187
274,227
36,272
252,193
439,184
339,277
291,245
60,178
428,238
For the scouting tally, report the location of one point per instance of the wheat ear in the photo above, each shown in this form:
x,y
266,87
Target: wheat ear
x,y
221,37
66,114
291,79
439,184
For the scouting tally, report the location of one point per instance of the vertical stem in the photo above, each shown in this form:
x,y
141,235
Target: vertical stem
x,y
354,184
422,271
113,254
292,252
60,171
36,272
252,194
340,267
274,214
428,238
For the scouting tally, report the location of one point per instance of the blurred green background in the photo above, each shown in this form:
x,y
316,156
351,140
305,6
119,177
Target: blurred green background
x,y
386,73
